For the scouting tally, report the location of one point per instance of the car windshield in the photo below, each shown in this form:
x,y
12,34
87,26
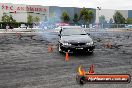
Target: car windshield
x,y
68,32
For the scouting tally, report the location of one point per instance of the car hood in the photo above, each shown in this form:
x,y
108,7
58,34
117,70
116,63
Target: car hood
x,y
76,38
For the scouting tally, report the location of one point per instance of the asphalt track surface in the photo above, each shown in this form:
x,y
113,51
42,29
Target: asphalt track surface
x,y
26,63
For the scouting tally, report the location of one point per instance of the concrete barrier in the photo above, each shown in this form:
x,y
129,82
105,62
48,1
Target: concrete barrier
x,y
19,30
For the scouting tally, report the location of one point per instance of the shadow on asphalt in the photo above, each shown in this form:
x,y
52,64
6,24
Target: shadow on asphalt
x,y
80,54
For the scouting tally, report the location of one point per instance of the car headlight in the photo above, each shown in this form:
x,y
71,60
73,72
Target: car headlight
x,y
66,44
89,43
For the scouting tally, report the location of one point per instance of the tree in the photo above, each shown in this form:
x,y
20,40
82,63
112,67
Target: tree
x,y
91,15
5,18
65,17
8,19
75,20
86,15
12,20
102,19
118,18
110,21
36,19
129,20
30,19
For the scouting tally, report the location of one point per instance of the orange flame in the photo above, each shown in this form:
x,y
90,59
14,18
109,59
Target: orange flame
x,y
81,71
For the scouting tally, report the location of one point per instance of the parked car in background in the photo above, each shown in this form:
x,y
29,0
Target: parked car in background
x,y
23,26
128,27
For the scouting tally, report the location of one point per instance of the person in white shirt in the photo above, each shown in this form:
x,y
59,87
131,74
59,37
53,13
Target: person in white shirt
x,y
7,27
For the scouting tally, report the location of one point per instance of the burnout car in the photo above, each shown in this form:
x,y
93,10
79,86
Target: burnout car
x,y
75,39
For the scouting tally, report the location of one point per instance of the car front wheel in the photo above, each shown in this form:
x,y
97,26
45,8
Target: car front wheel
x,y
91,52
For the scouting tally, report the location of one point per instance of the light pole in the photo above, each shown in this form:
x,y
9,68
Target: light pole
x,y
98,8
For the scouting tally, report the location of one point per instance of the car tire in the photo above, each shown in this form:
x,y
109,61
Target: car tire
x,y
91,52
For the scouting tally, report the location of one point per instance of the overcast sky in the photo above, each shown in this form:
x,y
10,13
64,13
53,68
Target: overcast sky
x,y
104,4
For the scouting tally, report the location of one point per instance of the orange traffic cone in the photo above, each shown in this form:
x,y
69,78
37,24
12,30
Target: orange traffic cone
x,y
50,49
67,57
91,69
18,34
109,45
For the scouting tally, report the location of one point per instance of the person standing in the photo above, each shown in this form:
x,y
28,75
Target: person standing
x,y
7,27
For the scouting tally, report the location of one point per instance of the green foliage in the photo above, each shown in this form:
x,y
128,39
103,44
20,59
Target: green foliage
x,y
36,19
129,20
118,18
83,12
8,19
86,15
102,19
91,15
65,17
14,25
75,20
5,18
30,19
111,21
12,20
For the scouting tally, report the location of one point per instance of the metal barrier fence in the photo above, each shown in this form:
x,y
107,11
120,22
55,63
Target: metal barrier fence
x,y
104,26
96,26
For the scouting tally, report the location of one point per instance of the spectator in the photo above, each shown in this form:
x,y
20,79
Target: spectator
x,y
7,27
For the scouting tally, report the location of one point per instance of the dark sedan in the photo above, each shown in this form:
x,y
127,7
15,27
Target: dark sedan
x,y
75,40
